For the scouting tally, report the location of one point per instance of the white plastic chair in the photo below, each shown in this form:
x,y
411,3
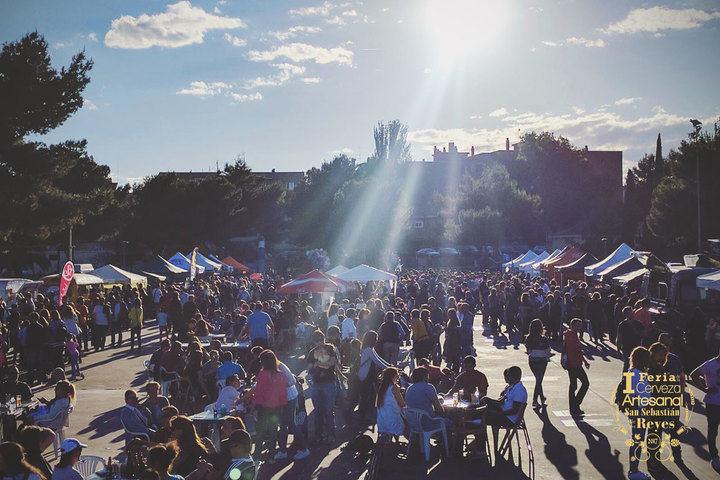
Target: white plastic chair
x,y
89,464
414,417
57,424
165,384
129,434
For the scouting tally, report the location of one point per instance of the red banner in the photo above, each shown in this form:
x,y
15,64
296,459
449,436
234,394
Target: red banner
x,y
67,274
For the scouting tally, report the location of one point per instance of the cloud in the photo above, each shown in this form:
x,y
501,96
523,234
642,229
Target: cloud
x,y
59,45
287,71
599,43
536,9
322,10
180,25
235,41
655,19
311,79
499,112
475,117
301,52
122,180
627,100
89,105
92,36
251,97
203,89
427,70
578,110
293,32
342,151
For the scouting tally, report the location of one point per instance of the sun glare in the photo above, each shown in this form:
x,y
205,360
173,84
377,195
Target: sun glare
x,y
464,28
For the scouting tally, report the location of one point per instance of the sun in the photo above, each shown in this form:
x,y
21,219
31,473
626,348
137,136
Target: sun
x,y
463,28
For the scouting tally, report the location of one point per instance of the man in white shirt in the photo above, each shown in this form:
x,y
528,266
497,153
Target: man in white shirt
x,y
101,325
348,328
230,394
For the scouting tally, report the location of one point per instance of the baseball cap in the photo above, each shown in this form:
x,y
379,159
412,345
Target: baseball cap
x,y
238,437
70,444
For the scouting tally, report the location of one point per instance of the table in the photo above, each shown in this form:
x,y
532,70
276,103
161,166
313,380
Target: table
x,y
238,345
10,416
208,417
461,413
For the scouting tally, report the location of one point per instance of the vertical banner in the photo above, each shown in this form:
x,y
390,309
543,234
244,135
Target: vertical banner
x,y
65,277
193,264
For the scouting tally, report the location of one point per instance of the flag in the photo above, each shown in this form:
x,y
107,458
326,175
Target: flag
x,y
193,264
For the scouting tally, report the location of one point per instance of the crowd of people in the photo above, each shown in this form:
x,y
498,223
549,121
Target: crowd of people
x,y
371,353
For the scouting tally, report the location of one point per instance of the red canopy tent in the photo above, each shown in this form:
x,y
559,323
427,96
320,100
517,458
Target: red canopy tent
x,y
235,264
573,254
574,270
313,282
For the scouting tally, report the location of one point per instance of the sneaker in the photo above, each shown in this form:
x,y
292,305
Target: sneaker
x,y
638,475
280,456
301,454
715,462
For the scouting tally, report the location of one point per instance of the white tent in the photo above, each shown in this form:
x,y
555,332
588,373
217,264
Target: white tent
x,y
365,273
621,253
180,260
111,274
340,269
709,280
528,266
508,264
528,256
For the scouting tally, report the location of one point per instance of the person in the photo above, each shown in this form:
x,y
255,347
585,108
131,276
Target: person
x,y
242,466
135,320
229,367
538,350
230,394
505,411
70,451
370,366
174,360
35,440
288,414
71,347
639,363
190,448
10,386
348,328
389,339
154,403
452,349
14,466
674,379
575,361
470,380
423,396
50,417
162,434
629,336
132,418
269,396
100,313
389,403
259,326
706,377
323,369
159,459
466,318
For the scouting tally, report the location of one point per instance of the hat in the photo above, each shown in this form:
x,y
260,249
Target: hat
x,y
238,437
70,444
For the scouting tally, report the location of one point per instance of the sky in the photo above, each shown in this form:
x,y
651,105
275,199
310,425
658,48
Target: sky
x,y
187,85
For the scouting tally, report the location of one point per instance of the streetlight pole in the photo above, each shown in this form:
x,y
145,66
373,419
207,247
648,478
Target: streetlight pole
x,y
696,135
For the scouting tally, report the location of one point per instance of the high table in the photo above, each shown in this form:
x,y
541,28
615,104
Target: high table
x,y
210,419
462,413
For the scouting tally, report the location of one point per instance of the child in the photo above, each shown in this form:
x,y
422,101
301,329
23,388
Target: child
x,y
71,345
162,317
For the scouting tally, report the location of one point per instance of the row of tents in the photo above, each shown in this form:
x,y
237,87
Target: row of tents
x,y
335,280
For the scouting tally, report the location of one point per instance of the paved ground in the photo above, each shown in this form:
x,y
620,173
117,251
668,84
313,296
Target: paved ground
x,y
564,447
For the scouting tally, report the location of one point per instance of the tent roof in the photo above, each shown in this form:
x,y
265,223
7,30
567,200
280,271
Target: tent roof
x,y
709,280
507,264
203,261
366,273
235,264
626,266
314,281
567,257
337,270
629,277
180,260
553,256
539,258
78,278
112,274
621,253
162,278
160,266
579,264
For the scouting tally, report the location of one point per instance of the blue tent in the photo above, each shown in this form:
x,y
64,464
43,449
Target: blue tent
x,y
205,262
528,266
528,256
180,260
622,253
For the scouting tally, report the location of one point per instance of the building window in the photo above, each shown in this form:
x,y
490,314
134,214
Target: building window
x,y
418,224
291,186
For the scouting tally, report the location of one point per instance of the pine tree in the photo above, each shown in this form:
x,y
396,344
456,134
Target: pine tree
x,y
659,167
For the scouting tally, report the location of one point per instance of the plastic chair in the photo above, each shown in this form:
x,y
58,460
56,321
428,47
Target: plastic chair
x,y
510,432
209,408
57,424
414,417
164,383
129,434
89,464
148,369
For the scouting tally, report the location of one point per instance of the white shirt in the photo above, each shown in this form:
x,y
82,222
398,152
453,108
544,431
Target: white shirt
x,y
100,317
348,328
227,397
292,392
157,295
333,320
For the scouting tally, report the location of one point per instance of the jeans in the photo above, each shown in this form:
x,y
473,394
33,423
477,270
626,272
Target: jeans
x,y
538,368
266,430
638,435
576,397
287,424
75,365
323,398
467,339
100,332
135,332
116,328
391,352
713,419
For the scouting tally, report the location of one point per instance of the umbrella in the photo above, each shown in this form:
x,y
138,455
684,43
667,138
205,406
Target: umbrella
x,y
314,281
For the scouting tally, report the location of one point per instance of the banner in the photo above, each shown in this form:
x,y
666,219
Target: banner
x,y
193,264
65,277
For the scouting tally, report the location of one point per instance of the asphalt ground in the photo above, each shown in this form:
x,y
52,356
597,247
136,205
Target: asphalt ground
x,y
587,447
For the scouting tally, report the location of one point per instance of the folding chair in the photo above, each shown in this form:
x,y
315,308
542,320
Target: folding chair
x,y
510,432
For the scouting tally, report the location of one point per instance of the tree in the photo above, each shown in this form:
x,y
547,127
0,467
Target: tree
x,y
44,189
391,143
